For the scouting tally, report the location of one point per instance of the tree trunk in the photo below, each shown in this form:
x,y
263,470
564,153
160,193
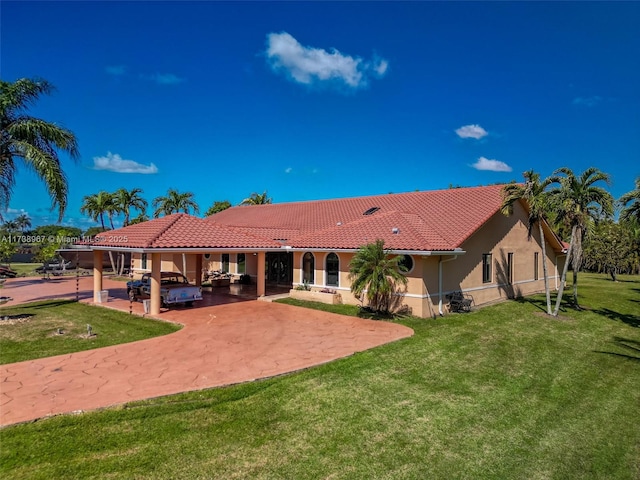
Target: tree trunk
x,y
563,279
575,264
113,265
544,268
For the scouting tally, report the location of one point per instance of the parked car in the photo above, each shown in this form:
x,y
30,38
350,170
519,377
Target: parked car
x,y
174,288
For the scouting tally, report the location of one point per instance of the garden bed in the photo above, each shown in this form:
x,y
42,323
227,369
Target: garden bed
x,y
329,297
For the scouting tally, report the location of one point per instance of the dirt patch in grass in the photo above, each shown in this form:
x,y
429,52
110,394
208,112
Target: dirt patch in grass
x,y
551,317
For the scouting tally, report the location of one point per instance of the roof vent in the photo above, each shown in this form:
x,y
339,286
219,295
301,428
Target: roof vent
x,y
339,223
395,230
371,211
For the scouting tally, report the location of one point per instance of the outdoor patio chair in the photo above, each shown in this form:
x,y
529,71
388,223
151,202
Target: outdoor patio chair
x,y
460,302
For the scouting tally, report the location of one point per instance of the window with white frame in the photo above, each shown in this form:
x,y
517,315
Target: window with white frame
x,y
308,268
332,270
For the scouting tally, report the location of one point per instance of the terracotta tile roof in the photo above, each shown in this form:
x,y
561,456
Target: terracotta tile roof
x,y
181,231
432,220
439,220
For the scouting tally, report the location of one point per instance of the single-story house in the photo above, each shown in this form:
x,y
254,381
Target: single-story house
x,y
451,240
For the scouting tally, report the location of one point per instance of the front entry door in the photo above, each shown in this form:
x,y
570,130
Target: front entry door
x,y
279,268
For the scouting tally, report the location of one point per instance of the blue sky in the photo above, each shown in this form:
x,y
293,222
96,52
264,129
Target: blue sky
x,y
326,99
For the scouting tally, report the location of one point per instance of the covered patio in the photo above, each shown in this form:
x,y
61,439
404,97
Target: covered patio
x,y
183,236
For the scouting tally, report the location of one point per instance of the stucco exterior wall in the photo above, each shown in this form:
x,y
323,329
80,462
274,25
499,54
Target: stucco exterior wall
x,y
499,237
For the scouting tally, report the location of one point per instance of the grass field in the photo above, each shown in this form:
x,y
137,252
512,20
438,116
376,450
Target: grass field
x,y
31,330
502,393
24,269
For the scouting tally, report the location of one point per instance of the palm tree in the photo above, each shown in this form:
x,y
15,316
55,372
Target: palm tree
x,y
23,222
128,199
257,199
112,208
97,205
374,271
533,192
577,202
633,197
174,202
11,226
33,140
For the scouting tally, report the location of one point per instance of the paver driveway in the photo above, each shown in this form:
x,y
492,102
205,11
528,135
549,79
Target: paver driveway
x,y
220,344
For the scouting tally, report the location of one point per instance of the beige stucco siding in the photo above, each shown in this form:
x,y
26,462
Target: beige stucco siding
x,y
499,237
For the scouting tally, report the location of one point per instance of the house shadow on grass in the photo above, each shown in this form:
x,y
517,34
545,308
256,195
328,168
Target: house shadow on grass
x,y
632,346
540,304
631,320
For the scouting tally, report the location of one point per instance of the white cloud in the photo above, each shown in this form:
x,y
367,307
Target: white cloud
x,y
587,101
491,165
17,211
472,131
115,70
310,65
165,78
115,163
380,66
288,170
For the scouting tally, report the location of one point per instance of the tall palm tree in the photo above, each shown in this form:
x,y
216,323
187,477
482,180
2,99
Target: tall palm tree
x,y
97,206
577,202
174,202
128,199
33,140
534,193
23,222
633,198
374,271
113,209
257,199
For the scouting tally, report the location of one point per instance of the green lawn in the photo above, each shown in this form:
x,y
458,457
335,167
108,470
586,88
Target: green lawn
x,y
32,330
24,269
501,393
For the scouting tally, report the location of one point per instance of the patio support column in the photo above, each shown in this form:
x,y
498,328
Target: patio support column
x,y
198,269
97,274
156,264
260,281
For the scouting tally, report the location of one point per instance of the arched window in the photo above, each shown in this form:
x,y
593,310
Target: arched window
x,y
308,268
333,269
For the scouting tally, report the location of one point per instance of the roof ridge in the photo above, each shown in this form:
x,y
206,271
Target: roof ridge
x,y
157,236
413,218
364,197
